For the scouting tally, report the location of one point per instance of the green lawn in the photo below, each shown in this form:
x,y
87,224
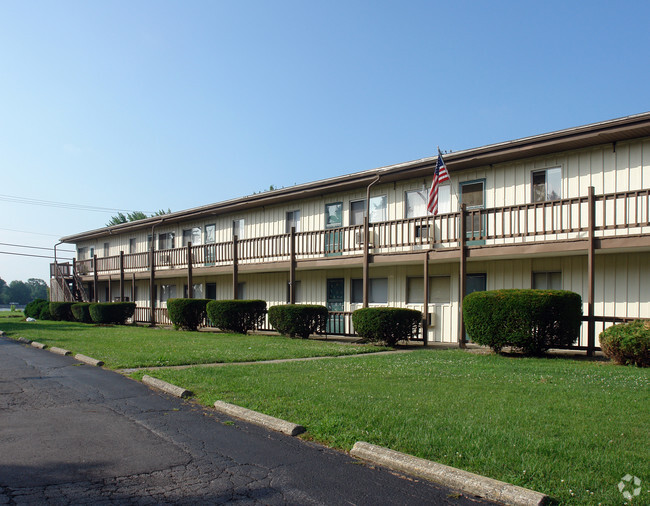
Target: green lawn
x,y
130,346
568,428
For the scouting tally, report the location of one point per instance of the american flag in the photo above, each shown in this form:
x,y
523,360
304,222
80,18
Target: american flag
x,y
440,175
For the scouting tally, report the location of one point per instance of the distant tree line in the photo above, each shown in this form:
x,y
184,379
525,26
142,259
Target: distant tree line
x,y
22,292
120,218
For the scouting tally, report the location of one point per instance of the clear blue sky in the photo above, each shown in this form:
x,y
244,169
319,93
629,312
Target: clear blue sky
x,y
167,104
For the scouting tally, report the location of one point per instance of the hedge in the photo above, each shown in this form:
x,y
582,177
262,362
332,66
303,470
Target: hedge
x,y
187,314
111,312
33,309
531,321
61,311
236,315
298,319
627,343
386,324
81,312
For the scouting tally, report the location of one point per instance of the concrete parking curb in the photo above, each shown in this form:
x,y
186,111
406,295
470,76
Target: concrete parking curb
x,y
2,333
166,387
24,340
60,351
270,422
38,345
88,360
463,481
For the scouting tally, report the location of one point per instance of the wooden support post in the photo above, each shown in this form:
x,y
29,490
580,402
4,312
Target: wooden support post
x,y
95,278
366,258
75,288
152,284
591,268
110,293
121,276
133,288
292,266
235,269
190,285
463,274
425,319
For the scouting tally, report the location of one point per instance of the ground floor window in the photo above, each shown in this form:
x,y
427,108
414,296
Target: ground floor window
x,y
196,288
297,292
439,290
167,292
211,291
241,291
377,291
547,280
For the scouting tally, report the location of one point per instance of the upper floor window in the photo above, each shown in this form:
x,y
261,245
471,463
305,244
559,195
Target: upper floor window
x,y
132,245
192,235
166,241
547,184
293,220
377,210
210,234
238,228
81,253
416,201
107,249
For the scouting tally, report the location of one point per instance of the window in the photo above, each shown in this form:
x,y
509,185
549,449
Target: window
x,y
357,212
416,203
293,220
92,252
192,235
547,280
81,253
547,184
297,292
149,241
377,291
196,288
210,234
132,245
166,241
241,291
238,228
439,290
211,291
107,249
377,210
167,292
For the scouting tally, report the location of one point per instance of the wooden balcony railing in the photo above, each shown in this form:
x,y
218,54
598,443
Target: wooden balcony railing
x,y
615,214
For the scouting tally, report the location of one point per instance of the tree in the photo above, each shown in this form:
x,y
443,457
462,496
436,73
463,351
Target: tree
x,y
38,288
120,218
19,292
4,296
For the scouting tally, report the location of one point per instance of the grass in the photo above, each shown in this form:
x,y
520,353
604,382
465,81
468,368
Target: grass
x,y
130,346
564,427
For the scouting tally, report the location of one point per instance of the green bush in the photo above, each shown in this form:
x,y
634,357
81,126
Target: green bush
x,y
45,312
236,315
33,309
187,314
61,311
81,312
298,319
111,312
627,343
531,321
386,324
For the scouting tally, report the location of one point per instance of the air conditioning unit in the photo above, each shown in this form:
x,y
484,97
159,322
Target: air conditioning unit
x,y
358,237
432,320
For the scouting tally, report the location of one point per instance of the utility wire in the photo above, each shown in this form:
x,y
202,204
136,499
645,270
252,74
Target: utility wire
x,y
26,232
63,205
37,256
34,247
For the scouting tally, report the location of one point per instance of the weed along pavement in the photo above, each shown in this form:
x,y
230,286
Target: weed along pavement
x,y
73,433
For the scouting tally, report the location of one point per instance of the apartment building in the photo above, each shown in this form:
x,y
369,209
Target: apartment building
x,y
568,209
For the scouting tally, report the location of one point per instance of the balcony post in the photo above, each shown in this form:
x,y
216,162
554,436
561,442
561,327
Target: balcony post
x,y
152,283
121,276
95,278
292,266
463,274
190,285
75,288
366,258
110,293
425,319
133,289
235,269
591,268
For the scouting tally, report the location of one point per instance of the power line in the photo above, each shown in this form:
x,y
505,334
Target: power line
x,y
34,247
63,205
34,233
28,255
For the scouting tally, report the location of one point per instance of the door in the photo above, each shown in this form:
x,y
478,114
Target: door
x,y
335,302
333,224
475,283
472,194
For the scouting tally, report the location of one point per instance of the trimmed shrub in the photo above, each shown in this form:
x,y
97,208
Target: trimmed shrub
x,y
298,319
531,321
386,324
33,309
187,314
61,311
236,315
81,312
45,312
627,343
111,312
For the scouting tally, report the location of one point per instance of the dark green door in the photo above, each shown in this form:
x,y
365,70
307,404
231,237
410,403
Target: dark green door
x,y
333,224
475,283
335,302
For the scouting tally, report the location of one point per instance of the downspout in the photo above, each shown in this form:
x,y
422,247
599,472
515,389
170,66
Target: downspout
x,y
366,241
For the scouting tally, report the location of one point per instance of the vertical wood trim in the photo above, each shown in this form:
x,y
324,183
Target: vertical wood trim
x,y
591,271
463,275
95,278
425,320
152,283
292,266
121,276
235,268
133,289
366,254
75,289
190,283
110,292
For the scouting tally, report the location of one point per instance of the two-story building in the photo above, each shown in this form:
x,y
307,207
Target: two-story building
x,y
567,209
